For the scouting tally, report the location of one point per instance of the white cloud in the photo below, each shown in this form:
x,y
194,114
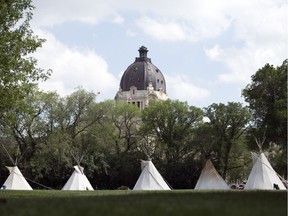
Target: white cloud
x,y
244,62
181,88
184,19
165,30
214,53
261,33
131,33
117,19
73,68
57,12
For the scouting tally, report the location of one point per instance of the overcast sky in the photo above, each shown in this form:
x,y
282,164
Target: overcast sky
x,y
207,50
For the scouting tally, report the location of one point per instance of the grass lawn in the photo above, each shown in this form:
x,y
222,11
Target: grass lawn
x,y
148,203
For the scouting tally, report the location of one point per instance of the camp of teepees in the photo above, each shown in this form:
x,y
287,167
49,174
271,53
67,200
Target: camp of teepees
x,y
261,177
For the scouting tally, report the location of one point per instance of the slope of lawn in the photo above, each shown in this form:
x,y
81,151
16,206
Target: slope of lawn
x,y
148,203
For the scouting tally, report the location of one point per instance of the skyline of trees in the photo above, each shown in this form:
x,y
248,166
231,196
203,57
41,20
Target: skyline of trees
x,y
52,133
108,138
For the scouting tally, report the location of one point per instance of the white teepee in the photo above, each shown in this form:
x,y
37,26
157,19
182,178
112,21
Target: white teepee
x,y
263,176
78,180
150,178
210,179
15,180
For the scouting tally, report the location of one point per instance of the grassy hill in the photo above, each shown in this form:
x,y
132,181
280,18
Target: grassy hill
x,y
138,203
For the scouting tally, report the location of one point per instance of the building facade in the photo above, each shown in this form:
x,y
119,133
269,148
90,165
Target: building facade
x,y
141,82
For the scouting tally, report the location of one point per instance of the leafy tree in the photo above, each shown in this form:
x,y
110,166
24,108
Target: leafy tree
x,y
51,131
267,98
78,110
18,69
27,128
170,125
229,123
205,138
76,115
172,122
119,126
117,136
28,125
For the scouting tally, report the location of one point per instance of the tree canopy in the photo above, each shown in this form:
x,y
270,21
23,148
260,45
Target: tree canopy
x,y
18,69
229,123
267,98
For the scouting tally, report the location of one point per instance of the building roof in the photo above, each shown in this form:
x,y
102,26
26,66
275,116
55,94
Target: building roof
x,y
141,73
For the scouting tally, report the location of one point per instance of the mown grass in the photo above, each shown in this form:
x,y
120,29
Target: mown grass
x,y
148,203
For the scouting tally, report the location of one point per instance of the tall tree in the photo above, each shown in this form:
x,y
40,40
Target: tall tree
x,y
169,125
30,125
172,123
120,126
229,122
206,139
25,129
267,98
18,69
117,137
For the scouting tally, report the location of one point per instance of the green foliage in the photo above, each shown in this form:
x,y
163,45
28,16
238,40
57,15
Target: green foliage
x,y
116,137
172,123
206,141
229,123
19,75
168,129
18,69
267,98
54,133
126,121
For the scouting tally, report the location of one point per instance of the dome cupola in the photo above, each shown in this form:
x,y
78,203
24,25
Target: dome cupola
x,y
141,82
143,73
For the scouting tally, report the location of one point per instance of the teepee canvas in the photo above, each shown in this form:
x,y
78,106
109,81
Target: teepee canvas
x,y
150,178
78,180
210,179
263,176
16,180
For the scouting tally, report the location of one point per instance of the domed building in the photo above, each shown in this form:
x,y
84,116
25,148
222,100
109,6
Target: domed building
x,y
141,82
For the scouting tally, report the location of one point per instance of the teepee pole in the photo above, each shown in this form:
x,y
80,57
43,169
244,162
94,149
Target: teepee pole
x,y
260,142
14,162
